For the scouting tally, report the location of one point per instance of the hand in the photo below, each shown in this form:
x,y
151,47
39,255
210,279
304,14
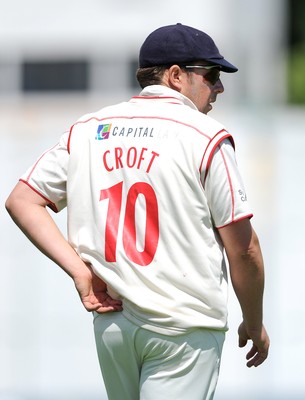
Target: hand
x,y
259,351
93,293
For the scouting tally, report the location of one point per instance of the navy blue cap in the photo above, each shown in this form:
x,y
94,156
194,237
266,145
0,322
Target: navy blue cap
x,y
177,44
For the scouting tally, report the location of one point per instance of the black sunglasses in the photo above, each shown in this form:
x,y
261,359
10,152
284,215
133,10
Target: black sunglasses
x,y
212,76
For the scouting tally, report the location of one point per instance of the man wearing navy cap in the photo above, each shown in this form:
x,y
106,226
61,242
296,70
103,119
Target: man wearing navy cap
x,y
154,199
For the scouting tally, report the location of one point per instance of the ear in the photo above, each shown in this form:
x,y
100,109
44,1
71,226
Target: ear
x,y
175,77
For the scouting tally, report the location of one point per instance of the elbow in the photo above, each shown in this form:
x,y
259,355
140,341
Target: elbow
x,y
252,253
17,200
252,247
11,205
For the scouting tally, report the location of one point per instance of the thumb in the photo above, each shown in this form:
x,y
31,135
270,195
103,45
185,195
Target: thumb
x,y
242,342
243,337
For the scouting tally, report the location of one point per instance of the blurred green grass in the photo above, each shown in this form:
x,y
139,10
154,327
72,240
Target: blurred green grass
x,y
296,74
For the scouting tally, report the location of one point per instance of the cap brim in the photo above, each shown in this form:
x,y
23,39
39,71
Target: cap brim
x,y
224,65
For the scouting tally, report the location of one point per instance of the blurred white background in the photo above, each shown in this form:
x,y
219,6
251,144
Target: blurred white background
x,y
47,349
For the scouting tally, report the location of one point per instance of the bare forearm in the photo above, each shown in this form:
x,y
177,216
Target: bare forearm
x,y
29,212
247,275
246,269
36,223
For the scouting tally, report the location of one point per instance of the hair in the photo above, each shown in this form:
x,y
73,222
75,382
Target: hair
x,y
153,75
150,75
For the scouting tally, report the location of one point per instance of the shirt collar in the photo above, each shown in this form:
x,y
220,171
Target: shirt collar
x,y
165,94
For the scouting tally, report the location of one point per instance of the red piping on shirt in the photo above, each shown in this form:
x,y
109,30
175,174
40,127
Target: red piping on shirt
x,y
249,216
230,185
158,98
50,203
134,117
34,166
227,136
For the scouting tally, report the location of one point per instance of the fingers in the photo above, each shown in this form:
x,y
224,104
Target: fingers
x,y
107,303
112,302
102,303
255,357
260,344
102,307
252,352
257,360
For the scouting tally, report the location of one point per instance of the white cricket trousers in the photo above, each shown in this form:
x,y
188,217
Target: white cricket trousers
x,y
138,364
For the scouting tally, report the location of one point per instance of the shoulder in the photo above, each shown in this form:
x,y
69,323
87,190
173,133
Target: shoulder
x,y
203,120
201,124
99,115
92,123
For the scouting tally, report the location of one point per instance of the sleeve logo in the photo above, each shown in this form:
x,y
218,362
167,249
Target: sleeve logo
x,y
103,132
242,195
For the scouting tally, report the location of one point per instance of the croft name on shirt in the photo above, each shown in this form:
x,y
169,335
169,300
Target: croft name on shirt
x,y
129,158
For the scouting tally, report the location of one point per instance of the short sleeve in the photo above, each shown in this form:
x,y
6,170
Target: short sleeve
x,y
48,175
224,187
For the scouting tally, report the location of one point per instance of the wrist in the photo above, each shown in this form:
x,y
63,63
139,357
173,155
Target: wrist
x,y
79,270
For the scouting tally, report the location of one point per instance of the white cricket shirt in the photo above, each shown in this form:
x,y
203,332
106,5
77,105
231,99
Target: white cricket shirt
x,y
146,183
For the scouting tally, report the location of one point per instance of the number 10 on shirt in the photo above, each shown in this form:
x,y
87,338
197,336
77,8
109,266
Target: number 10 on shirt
x,y
129,233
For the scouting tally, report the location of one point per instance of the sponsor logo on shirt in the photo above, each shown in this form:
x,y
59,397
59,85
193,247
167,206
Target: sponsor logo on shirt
x,y
139,131
242,195
103,132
